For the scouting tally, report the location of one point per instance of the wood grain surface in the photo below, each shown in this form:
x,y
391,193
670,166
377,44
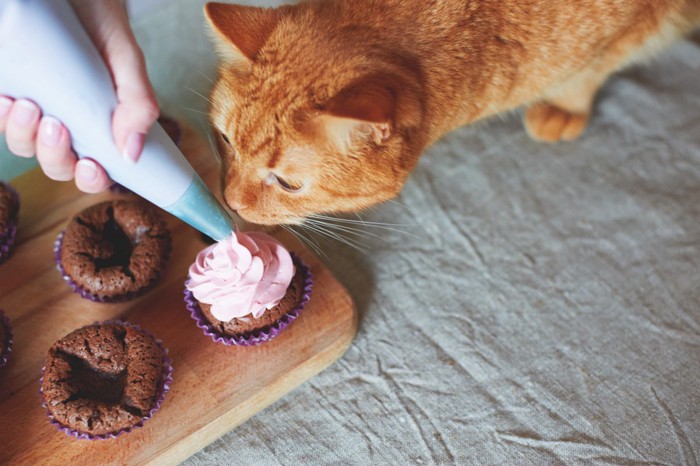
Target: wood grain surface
x,y
215,387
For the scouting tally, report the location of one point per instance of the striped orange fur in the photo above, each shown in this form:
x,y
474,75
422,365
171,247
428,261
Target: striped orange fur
x,y
326,106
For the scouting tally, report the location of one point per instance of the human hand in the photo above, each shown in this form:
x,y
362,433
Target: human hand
x,y
28,133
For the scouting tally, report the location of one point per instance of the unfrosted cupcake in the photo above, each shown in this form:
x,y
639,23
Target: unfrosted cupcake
x,y
9,216
105,379
114,251
5,338
246,289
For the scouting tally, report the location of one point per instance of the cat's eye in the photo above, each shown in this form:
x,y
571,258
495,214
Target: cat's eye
x,y
225,138
288,186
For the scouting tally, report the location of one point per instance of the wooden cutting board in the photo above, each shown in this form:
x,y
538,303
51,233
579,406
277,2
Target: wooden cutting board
x,y
215,387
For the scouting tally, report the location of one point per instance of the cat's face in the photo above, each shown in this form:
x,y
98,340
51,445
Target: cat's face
x,y
301,131
280,165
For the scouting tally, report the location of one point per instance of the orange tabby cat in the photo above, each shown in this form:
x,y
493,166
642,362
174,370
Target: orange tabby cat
x,y
325,106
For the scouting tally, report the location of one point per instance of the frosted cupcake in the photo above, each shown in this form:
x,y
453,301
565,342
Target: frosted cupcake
x,y
9,214
246,289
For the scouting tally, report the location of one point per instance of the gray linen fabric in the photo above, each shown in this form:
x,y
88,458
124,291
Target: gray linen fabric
x,y
541,305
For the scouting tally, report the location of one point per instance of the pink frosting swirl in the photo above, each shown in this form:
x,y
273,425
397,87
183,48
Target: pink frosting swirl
x,y
247,273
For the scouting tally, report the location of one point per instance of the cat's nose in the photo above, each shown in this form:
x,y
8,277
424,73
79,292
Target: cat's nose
x,y
234,199
235,205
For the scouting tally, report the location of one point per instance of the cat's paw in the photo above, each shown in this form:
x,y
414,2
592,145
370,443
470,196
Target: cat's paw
x,y
548,123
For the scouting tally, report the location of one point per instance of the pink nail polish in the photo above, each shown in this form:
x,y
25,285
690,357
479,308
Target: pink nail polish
x,y
86,170
5,105
49,131
24,113
134,146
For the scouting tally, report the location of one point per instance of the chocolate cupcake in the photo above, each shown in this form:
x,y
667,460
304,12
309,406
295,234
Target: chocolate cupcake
x,y
114,251
105,379
9,216
246,289
5,338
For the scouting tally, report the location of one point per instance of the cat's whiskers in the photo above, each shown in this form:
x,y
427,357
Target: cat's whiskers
x,y
345,229
349,223
305,239
360,222
207,99
194,110
320,229
205,76
214,149
359,217
394,201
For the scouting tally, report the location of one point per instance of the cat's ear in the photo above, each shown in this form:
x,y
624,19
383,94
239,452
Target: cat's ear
x,y
240,31
359,114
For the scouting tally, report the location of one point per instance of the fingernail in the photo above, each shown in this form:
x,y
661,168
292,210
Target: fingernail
x,y
49,131
134,146
24,113
86,170
5,105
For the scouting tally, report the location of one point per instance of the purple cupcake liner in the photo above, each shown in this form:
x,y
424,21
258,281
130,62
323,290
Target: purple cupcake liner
x,y
5,323
166,381
103,299
258,337
7,241
7,237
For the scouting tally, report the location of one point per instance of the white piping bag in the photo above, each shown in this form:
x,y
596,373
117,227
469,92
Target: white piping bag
x,y
46,56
